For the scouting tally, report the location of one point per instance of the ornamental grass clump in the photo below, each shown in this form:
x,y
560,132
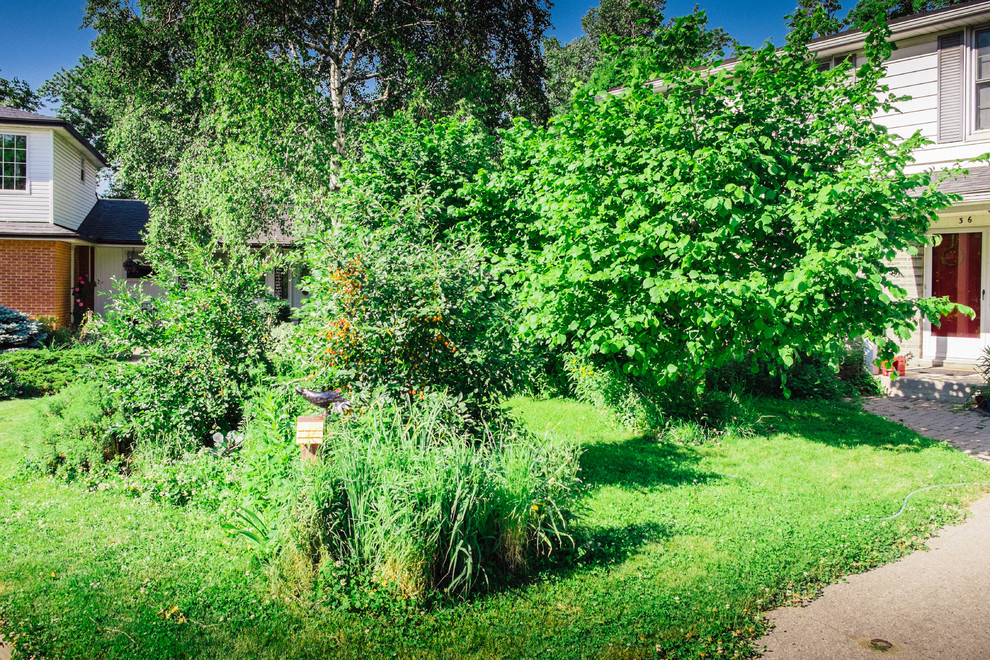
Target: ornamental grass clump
x,y
410,499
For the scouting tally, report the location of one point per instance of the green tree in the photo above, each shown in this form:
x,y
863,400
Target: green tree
x,y
865,10
618,32
17,94
818,15
749,212
169,63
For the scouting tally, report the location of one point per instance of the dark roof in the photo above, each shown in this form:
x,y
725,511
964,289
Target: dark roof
x,y
25,118
115,221
977,181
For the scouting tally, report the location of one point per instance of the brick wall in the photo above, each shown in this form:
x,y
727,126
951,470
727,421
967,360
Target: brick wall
x,y
35,277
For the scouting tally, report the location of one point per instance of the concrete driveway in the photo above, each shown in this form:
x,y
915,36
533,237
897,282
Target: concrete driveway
x,y
927,606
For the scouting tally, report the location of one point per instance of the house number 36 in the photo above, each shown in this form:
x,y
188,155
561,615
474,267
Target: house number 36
x,y
969,220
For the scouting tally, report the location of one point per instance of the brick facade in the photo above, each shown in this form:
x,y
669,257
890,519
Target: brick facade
x,y
35,277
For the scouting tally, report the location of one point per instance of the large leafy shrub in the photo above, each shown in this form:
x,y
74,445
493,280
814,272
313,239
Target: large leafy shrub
x,y
47,371
742,212
202,343
397,310
18,330
405,156
402,495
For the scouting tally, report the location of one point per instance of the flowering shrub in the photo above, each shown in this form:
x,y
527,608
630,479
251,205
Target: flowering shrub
x,y
392,309
82,293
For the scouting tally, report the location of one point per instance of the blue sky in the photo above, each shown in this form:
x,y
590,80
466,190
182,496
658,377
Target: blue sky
x,y
43,36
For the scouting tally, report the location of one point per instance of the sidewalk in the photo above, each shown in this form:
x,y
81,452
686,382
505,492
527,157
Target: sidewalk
x,y
929,605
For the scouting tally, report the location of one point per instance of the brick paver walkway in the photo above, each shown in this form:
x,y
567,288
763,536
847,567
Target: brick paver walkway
x,y
964,429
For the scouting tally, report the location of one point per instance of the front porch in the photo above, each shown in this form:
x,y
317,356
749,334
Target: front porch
x,y
950,384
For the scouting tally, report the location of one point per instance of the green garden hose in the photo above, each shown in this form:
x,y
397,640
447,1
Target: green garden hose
x,y
904,506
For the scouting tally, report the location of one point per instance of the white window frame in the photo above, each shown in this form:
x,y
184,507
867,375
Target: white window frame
x,y
970,97
27,165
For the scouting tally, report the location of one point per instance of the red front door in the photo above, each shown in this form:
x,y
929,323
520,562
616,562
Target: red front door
x,y
957,273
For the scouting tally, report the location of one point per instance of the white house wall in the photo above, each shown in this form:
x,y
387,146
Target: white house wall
x,y
108,268
34,204
73,198
912,70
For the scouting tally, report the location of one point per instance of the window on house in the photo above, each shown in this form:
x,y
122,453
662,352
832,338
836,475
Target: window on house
x,y
983,80
82,169
13,162
826,65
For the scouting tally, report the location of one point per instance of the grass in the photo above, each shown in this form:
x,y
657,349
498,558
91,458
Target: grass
x,y
680,549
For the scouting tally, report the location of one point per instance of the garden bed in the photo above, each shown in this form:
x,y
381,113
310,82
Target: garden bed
x,y
679,550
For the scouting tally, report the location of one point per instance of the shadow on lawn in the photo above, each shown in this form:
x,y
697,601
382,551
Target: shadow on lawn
x,y
642,462
840,424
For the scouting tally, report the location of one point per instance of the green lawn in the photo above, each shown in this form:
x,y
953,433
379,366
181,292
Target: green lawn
x,y
680,550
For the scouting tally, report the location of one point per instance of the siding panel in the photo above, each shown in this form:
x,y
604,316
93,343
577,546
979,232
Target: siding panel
x,y
109,272
35,204
73,197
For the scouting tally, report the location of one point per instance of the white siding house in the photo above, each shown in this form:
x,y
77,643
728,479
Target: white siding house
x,y
942,62
55,230
74,190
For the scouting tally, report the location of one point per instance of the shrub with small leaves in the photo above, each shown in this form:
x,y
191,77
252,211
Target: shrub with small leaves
x,y
18,330
9,386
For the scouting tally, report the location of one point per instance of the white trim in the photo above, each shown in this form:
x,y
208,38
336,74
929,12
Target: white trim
x,y
27,166
952,18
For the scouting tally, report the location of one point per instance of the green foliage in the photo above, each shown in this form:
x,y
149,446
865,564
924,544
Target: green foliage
x,y
47,371
619,33
407,156
17,94
18,330
742,212
810,377
635,404
59,336
866,11
9,385
200,478
77,434
202,342
394,309
269,462
402,493
254,90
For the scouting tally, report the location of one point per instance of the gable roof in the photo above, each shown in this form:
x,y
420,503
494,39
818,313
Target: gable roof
x,y
25,118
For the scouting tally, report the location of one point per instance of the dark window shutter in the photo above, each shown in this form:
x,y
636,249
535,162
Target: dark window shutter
x,y
950,87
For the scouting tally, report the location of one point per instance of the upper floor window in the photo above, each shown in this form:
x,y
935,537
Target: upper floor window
x,y
13,162
983,80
